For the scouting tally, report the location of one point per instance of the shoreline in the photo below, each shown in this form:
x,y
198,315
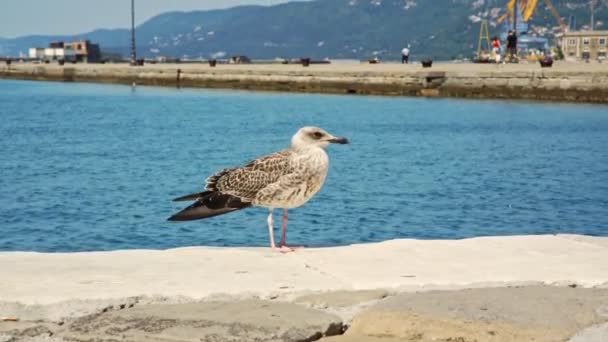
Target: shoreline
x,y
565,82
501,289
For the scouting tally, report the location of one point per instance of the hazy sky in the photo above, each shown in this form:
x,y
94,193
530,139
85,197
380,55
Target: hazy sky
x,y
23,17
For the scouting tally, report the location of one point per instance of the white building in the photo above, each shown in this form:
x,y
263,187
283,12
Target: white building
x,y
37,53
53,54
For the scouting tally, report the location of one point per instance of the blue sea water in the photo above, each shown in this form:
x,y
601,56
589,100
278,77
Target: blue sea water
x,y
94,167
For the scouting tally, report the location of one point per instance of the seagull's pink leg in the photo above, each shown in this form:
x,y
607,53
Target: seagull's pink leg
x,y
283,244
284,228
281,249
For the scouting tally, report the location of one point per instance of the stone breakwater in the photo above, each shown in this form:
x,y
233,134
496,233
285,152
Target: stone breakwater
x,y
500,314
564,82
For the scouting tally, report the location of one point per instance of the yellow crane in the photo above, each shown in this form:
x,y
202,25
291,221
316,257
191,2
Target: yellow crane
x,y
527,8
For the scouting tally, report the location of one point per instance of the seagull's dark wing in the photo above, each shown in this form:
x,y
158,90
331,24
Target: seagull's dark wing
x,y
234,188
210,204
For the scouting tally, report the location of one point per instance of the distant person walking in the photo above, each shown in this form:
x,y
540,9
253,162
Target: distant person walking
x,y
496,49
405,55
512,45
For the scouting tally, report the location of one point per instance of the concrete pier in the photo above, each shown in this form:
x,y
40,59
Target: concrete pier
x,y
571,82
545,288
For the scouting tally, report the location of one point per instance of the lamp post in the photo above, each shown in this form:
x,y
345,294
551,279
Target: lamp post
x,y
133,52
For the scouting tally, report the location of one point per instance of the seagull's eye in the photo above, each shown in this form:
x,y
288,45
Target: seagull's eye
x,y
317,135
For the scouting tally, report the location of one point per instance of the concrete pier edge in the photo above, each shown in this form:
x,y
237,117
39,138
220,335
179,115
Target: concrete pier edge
x,y
564,82
500,289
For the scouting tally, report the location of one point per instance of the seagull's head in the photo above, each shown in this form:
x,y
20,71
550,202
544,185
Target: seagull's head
x,y
314,136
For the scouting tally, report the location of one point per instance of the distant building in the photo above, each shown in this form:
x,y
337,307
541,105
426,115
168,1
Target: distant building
x,y
56,45
36,53
584,45
86,51
79,51
52,54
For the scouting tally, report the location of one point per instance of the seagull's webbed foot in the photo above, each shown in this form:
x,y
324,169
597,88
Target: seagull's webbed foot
x,y
292,248
283,249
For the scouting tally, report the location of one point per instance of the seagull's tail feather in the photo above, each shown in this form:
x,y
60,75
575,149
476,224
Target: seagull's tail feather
x,y
210,203
192,197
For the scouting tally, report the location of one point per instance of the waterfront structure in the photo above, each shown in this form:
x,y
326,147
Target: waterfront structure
x,y
52,53
78,51
584,45
56,45
36,53
576,82
86,51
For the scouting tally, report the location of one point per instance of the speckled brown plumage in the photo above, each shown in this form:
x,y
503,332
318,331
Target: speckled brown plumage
x,y
284,179
245,182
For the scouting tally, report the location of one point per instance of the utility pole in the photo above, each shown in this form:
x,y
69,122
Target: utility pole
x,y
133,53
515,13
592,14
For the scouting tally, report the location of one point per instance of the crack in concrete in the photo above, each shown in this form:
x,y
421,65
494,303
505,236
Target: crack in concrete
x,y
317,269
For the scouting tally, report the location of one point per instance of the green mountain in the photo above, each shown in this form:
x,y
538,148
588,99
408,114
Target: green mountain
x,y
441,29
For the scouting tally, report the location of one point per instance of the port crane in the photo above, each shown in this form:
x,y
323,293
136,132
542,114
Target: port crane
x,y
519,10
527,8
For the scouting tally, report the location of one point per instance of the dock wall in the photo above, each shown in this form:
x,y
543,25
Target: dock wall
x,y
569,83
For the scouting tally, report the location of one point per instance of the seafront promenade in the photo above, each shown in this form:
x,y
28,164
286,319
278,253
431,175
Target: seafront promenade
x,y
512,288
572,82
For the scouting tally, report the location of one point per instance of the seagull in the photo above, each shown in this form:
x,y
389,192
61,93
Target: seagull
x,y
285,179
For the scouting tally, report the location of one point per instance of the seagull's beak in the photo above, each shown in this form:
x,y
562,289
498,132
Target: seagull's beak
x,y
338,140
